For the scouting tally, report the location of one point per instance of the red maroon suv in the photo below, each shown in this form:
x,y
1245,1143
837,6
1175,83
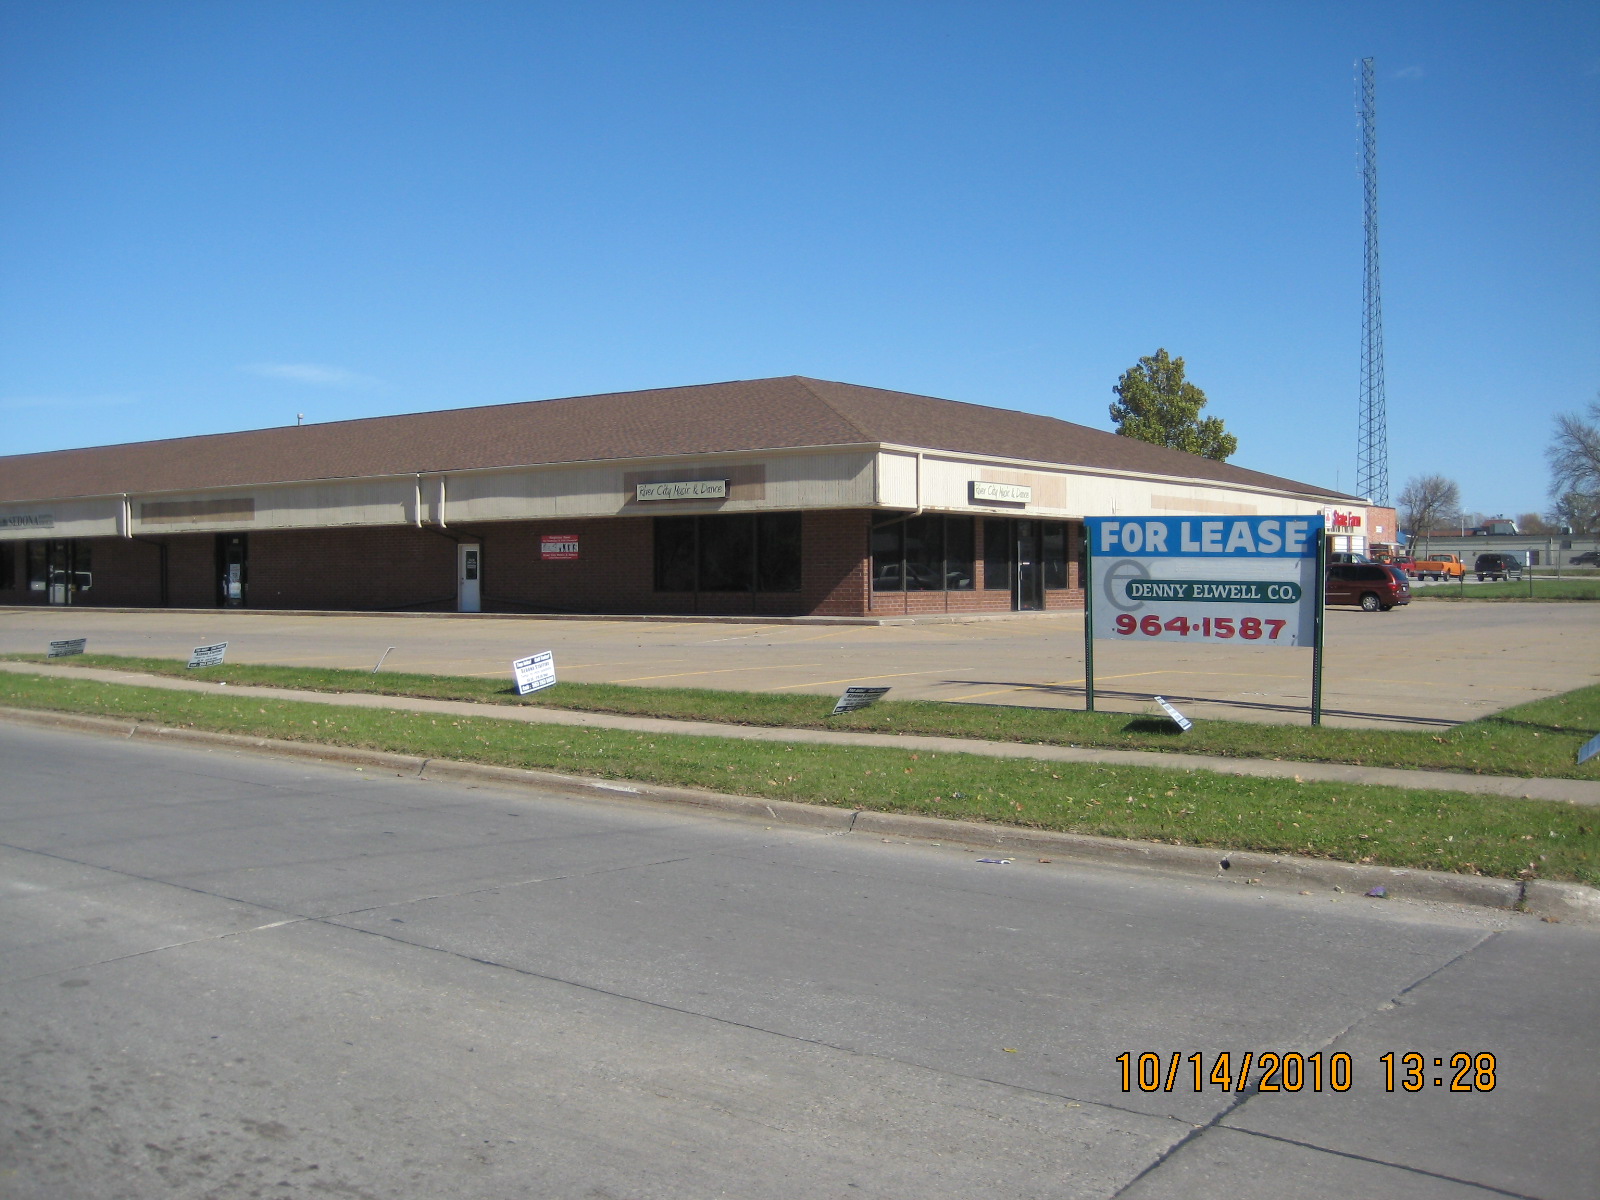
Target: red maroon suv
x,y
1376,587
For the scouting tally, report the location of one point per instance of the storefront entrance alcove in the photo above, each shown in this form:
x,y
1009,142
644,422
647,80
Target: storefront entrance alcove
x,y
1024,557
61,569
233,570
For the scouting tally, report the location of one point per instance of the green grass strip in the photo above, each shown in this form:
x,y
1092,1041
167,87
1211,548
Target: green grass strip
x,y
1543,589
1539,739
1446,831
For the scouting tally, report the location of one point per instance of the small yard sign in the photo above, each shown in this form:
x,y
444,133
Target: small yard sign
x,y
66,646
857,697
1178,719
208,656
1589,749
534,673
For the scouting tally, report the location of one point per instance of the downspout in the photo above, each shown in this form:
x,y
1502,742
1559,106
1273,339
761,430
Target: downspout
x,y
416,501
125,530
441,501
163,588
877,497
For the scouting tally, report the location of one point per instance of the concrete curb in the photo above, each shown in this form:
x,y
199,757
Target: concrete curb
x,y
1556,901
1562,901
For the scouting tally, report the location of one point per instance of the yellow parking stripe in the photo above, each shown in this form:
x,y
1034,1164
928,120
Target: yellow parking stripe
x,y
851,679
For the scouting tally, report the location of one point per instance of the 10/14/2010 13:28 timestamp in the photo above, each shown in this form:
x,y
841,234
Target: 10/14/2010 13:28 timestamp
x,y
1291,1071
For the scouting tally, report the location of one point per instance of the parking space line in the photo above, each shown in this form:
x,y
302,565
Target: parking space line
x,y
855,679
685,674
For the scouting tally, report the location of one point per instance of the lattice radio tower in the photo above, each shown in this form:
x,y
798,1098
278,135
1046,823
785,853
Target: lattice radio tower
x,y
1372,465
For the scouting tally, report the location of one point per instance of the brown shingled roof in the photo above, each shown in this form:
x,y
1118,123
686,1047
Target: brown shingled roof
x,y
756,414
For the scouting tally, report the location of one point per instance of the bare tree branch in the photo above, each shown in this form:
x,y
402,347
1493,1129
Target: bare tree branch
x,y
1575,453
1427,501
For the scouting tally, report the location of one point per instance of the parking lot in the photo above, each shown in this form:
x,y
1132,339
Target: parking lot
x,y
1418,666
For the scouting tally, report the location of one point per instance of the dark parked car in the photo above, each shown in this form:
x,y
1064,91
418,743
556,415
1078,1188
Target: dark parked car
x,y
1373,586
1590,558
1497,566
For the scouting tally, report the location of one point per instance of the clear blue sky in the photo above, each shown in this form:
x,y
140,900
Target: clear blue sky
x,y
220,214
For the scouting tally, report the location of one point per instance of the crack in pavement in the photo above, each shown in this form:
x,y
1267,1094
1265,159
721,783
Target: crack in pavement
x,y
332,921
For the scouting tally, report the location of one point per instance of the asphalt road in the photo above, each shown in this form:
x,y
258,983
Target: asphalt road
x,y
235,976
1420,666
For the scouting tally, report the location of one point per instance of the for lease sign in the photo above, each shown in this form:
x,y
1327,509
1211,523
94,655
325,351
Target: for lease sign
x,y
1206,579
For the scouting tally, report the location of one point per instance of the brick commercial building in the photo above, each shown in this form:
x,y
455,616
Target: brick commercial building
x,y
772,496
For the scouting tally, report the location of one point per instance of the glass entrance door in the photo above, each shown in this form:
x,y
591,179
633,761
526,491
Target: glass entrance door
x,y
61,568
1029,593
233,573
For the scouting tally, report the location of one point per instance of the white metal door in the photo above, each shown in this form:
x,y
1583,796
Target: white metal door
x,y
469,566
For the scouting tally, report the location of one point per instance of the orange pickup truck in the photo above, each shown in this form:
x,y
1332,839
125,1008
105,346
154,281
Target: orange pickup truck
x,y
1439,566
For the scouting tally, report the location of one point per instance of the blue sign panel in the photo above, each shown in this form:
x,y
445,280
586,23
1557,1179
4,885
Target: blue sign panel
x,y
1205,537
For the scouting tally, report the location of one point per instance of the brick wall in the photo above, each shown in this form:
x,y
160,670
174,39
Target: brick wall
x,y
838,568
192,575
127,573
615,570
612,573
402,567
390,567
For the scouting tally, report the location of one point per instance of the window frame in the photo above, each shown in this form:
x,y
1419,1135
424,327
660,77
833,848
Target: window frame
x,y
893,567
767,534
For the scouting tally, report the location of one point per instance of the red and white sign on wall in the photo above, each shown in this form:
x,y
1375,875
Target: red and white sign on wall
x,y
1342,520
558,546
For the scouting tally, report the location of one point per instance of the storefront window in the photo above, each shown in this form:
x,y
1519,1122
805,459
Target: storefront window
x,y
997,545
923,554
778,552
958,538
888,556
728,553
1055,554
675,554
38,566
8,568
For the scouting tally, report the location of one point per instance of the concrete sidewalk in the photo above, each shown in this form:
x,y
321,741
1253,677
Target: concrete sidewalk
x,y
1572,791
